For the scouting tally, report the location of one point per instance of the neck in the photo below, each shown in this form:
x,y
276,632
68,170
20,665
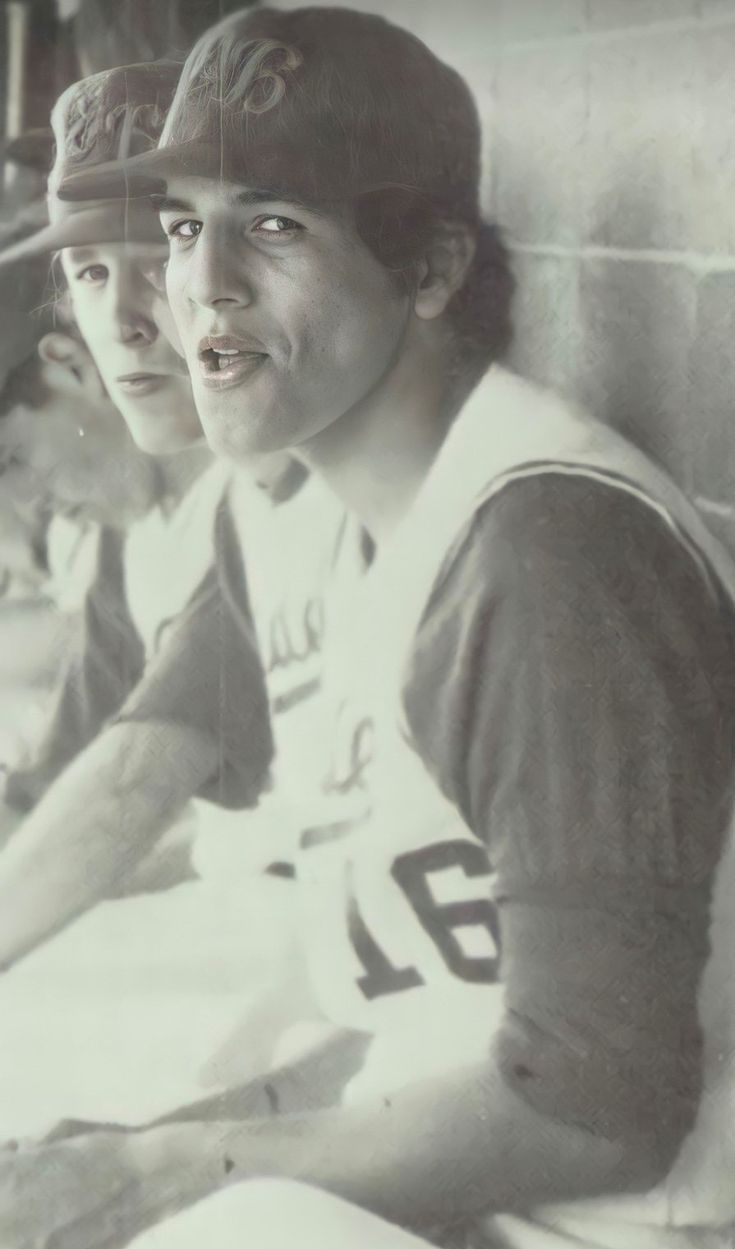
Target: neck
x,y
179,471
376,457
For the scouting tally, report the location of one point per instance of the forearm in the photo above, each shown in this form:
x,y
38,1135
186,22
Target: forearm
x,y
101,816
432,1152
167,865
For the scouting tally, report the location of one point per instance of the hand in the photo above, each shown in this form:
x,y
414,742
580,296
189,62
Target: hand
x,y
164,867
96,1191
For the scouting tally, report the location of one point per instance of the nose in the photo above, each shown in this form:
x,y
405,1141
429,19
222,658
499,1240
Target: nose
x,y
217,275
132,300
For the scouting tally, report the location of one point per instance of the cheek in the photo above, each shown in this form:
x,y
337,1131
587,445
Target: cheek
x,y
164,319
90,318
363,308
331,310
175,279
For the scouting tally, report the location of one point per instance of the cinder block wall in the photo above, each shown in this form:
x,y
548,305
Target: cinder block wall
x,y
610,162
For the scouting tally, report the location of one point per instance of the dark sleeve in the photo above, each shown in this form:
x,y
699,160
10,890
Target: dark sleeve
x,y
572,691
105,664
208,676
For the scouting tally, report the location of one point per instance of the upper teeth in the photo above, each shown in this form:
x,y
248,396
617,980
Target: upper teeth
x,y
226,351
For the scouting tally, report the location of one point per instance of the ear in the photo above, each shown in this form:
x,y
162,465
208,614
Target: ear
x,y
443,269
58,348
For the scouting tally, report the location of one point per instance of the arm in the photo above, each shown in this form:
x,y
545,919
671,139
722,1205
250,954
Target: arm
x,y
198,722
93,825
103,668
585,730
391,1158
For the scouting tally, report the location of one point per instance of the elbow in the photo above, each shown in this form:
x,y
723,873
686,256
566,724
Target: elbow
x,y
621,1116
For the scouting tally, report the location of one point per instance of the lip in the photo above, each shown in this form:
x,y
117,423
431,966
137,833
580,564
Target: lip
x,y
249,358
141,383
242,368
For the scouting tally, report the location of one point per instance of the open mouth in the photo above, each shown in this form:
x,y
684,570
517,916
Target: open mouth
x,y
141,383
226,361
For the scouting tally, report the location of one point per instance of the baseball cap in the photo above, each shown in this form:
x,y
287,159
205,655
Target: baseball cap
x,y
107,116
323,103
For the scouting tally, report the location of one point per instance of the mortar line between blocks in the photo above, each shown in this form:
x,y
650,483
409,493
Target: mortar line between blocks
x,y
700,263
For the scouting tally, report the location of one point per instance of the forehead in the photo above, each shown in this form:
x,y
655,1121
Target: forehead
x,y
215,195
119,253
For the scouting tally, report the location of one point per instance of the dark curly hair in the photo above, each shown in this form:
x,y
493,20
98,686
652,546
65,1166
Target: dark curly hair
x,y
397,226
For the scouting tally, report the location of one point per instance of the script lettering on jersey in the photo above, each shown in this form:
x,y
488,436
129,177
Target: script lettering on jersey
x,y
441,921
353,755
162,631
294,640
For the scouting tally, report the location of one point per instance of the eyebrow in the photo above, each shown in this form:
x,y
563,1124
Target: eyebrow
x,y
81,253
256,195
163,204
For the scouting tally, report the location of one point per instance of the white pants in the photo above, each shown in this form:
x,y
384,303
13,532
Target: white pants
x,y
115,1018
275,1214
279,1214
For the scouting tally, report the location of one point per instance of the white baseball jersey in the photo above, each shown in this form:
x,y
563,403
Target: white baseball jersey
x,y
395,890
168,553
288,549
385,853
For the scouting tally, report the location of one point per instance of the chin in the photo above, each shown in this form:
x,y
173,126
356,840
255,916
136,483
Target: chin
x,y
240,429
230,435
160,437
239,442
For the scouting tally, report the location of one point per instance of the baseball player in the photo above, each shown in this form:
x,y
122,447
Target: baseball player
x,y
537,666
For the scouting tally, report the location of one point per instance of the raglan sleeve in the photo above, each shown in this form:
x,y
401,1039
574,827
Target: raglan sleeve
x,y
103,666
571,690
208,675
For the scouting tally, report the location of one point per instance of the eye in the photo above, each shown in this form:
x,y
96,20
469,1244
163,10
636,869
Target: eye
x,y
184,231
94,274
276,226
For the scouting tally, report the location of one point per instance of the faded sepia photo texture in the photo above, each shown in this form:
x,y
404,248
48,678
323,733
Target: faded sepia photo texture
x,y
367,624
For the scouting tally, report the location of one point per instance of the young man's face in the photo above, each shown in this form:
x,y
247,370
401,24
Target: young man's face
x,y
117,295
70,451
286,319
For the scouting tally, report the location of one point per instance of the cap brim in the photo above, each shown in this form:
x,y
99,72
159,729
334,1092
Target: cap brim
x,y
145,174
100,223
276,163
